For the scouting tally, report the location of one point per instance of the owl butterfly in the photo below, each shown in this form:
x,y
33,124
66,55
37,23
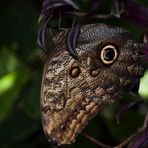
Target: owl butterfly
x,y
73,91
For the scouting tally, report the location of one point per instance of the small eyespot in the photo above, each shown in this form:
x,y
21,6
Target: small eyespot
x,y
109,54
63,127
94,73
75,71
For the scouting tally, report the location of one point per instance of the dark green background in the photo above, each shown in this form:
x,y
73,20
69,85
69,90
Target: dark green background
x,y
20,80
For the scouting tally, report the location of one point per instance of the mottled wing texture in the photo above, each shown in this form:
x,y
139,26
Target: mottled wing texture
x,y
73,91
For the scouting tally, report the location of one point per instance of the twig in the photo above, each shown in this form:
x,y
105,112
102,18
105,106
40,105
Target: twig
x,y
128,140
125,143
133,136
102,145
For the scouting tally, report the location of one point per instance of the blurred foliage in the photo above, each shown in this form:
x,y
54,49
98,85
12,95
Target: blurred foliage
x,y
20,80
143,90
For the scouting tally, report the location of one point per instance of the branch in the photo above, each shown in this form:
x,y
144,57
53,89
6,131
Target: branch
x,y
102,145
125,143
130,140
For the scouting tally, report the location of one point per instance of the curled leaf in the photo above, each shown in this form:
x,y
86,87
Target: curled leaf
x,y
71,41
146,51
136,13
42,35
141,141
73,34
146,44
53,9
56,7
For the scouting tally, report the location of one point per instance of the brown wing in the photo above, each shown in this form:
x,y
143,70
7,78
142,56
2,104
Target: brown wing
x,y
65,106
73,91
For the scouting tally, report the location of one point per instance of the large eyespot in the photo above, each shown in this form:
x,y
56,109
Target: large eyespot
x,y
109,54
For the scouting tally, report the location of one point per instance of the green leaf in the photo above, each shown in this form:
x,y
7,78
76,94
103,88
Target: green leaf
x,y
143,90
11,86
14,75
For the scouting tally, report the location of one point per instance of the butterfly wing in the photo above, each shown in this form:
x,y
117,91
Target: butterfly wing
x,y
73,91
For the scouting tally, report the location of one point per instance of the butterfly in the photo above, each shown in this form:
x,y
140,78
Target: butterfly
x,y
73,91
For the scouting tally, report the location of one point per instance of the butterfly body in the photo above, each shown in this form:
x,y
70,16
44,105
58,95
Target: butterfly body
x,y
73,91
